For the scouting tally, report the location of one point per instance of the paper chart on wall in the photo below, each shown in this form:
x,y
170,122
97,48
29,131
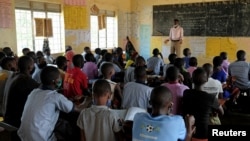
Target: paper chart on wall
x,y
39,22
78,36
83,36
165,51
122,24
128,24
145,41
5,14
75,2
198,46
165,48
134,25
75,17
146,11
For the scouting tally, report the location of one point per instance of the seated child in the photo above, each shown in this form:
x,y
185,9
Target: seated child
x,y
233,91
115,99
108,58
97,55
186,58
171,59
137,93
179,63
219,73
225,62
98,123
42,108
48,57
212,86
200,104
69,56
41,63
175,87
118,57
75,83
159,125
8,66
61,63
129,72
192,65
90,68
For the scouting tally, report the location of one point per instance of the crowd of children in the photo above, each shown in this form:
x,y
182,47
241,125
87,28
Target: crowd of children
x,y
37,90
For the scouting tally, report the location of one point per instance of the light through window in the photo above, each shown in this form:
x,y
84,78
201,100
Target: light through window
x,y
26,35
103,38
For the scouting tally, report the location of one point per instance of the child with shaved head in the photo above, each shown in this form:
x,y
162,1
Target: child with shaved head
x,y
160,125
200,104
98,123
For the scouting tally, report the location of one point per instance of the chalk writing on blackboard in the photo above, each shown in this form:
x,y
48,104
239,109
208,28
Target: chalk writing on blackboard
x,y
227,18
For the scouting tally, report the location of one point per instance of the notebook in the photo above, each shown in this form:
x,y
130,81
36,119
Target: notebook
x,y
128,114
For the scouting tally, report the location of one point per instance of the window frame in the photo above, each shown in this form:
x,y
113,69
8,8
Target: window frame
x,y
115,38
29,7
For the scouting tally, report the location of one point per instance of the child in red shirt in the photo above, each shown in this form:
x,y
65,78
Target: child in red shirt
x,y
75,81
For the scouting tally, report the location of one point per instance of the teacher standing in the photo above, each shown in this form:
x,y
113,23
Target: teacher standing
x,y
176,37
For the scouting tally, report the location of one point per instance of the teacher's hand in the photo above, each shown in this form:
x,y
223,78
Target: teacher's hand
x,y
166,41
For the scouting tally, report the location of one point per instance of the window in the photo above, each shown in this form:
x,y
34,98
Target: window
x,y
25,26
56,42
23,30
106,37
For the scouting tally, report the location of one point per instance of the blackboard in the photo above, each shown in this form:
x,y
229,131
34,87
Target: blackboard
x,y
227,18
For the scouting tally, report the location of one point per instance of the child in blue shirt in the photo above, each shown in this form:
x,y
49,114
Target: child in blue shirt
x,y
159,125
187,55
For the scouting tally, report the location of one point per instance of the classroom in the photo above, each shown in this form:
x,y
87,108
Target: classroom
x,y
61,28
133,18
